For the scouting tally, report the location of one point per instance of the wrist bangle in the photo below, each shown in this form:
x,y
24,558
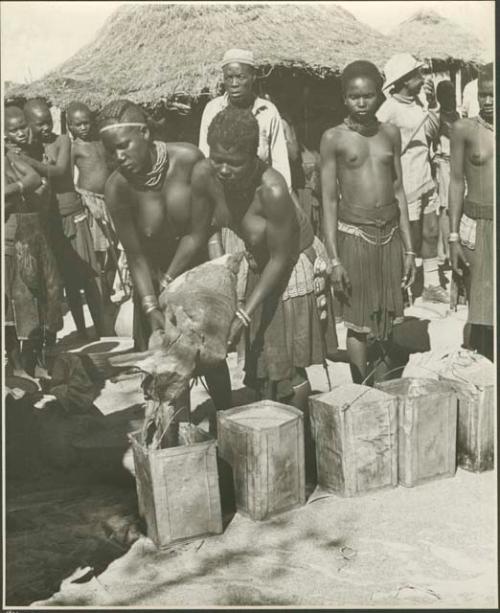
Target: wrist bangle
x,y
411,253
335,262
21,188
453,237
166,280
150,304
243,316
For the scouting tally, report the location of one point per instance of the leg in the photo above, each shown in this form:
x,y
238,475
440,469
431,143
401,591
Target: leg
x,y
13,350
75,305
433,292
95,303
444,232
219,385
416,241
357,352
481,340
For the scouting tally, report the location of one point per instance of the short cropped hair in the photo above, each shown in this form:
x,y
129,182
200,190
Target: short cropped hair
x,y
34,103
75,106
486,72
361,68
121,111
234,128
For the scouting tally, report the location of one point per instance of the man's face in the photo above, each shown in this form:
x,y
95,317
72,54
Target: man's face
x,y
238,81
79,123
414,82
361,98
40,122
17,130
485,97
231,165
129,147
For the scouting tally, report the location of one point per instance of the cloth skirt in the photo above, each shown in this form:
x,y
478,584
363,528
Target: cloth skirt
x,y
286,332
97,217
32,285
375,302
481,292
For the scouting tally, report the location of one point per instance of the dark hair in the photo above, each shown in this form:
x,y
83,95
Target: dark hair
x,y
361,68
75,106
234,128
443,89
486,72
34,103
121,111
11,110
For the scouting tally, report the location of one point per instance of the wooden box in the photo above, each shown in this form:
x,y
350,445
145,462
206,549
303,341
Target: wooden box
x,y
178,489
427,430
355,432
263,442
476,425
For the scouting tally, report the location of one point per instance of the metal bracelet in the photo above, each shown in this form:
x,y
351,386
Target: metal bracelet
x,y
453,237
21,188
335,262
243,316
150,304
166,280
411,253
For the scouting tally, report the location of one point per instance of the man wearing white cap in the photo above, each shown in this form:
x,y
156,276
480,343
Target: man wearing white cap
x,y
404,109
238,67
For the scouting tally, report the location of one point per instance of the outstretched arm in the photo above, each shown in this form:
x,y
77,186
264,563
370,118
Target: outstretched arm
x,y
202,209
63,161
404,218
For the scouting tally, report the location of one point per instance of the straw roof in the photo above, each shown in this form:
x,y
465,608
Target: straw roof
x,y
148,52
430,36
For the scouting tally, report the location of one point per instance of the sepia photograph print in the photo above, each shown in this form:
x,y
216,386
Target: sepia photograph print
x,y
249,305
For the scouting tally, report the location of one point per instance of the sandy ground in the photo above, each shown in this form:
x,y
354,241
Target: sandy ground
x,y
429,546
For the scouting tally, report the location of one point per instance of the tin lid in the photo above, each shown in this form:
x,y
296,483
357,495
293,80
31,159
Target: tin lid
x,y
262,415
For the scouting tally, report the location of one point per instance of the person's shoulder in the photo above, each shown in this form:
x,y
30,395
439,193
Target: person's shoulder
x,y
331,136
273,186
265,104
185,153
390,129
462,126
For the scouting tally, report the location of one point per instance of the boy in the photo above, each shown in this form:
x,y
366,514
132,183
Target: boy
x,y
365,216
70,234
89,156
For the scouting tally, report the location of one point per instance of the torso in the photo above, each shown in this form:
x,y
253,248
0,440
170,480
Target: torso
x,y
247,218
478,164
61,185
365,167
90,158
162,216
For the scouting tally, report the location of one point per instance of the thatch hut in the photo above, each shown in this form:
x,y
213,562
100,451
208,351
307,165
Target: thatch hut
x,y
451,51
156,53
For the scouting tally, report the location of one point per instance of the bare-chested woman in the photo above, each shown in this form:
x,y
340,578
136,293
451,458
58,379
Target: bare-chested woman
x,y
162,224
471,216
366,216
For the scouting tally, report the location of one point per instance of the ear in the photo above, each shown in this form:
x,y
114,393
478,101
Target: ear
x,y
146,132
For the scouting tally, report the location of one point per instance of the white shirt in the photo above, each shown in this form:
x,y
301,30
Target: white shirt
x,y
272,144
470,104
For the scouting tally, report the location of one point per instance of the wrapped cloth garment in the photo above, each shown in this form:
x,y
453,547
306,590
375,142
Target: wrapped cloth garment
x,y
95,206
371,251
286,332
72,240
33,285
481,260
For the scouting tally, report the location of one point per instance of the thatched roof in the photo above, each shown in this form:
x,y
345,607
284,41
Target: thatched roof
x,y
430,36
148,52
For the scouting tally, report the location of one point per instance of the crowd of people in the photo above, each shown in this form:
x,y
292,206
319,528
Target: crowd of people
x,y
400,187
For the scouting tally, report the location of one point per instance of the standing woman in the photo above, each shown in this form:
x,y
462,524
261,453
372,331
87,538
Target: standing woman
x,y
161,223
279,312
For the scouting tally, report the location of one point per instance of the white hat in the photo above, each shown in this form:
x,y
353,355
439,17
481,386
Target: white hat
x,y
399,66
241,56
